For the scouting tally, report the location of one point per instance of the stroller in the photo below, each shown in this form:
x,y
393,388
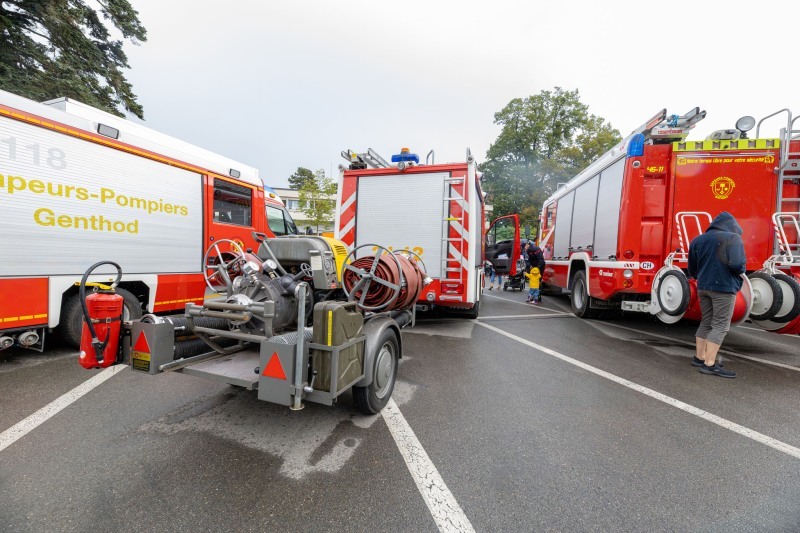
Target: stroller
x,y
516,277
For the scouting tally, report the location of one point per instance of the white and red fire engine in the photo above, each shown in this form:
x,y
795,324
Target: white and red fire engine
x,y
434,211
78,185
617,234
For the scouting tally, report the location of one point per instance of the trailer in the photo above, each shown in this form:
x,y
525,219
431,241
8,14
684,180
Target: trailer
x,y
617,235
78,184
434,212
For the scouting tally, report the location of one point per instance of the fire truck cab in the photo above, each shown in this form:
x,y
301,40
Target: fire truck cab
x,y
79,185
617,235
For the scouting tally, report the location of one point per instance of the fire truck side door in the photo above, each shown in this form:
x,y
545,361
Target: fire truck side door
x,y
503,244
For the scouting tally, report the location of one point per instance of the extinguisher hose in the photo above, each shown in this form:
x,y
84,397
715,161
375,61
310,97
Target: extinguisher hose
x,y
96,343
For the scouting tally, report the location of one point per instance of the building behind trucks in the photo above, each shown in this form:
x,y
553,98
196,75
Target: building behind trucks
x,y
617,235
433,211
78,185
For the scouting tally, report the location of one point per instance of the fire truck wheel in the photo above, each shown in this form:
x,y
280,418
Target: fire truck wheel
x,y
579,298
790,308
71,324
371,399
767,296
673,293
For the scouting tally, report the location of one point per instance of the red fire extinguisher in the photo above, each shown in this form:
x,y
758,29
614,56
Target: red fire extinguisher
x,y
102,315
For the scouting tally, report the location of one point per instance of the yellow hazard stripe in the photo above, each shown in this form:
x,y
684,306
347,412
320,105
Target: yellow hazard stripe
x,y
736,144
165,302
23,317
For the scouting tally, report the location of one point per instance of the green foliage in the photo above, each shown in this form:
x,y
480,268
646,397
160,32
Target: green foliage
x,y
545,139
300,178
318,198
52,48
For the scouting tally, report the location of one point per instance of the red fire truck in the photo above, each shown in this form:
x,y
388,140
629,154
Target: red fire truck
x,y
434,211
617,234
78,185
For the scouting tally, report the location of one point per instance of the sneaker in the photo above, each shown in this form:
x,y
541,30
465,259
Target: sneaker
x,y
490,288
717,370
699,362
536,302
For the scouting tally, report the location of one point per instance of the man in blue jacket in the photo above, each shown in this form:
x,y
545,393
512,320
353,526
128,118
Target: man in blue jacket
x,y
717,260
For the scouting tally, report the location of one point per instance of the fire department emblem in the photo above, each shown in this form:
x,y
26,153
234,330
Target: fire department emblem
x,y
722,187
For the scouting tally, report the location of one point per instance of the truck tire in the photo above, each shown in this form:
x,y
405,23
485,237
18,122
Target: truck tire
x,y
790,303
673,293
579,298
767,296
371,399
473,313
71,324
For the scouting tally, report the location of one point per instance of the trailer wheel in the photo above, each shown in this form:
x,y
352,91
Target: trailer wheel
x,y
673,293
790,290
767,296
374,397
71,324
579,298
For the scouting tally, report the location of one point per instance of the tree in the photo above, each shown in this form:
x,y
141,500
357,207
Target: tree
x,y
300,178
545,139
316,200
52,48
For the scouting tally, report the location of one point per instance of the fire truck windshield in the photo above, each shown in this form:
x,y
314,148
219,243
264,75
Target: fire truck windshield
x,y
280,221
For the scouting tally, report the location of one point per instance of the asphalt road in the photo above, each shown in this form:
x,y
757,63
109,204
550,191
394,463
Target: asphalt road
x,y
535,421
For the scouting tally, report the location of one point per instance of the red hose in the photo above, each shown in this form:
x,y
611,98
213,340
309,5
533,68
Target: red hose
x,y
379,295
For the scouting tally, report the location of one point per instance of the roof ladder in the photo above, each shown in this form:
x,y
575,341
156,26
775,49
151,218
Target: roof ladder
x,y
786,219
451,266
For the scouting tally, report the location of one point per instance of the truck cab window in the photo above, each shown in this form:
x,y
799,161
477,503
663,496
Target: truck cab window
x,y
232,203
280,222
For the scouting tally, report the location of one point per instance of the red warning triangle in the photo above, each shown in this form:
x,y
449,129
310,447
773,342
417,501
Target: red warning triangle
x,y
141,344
274,368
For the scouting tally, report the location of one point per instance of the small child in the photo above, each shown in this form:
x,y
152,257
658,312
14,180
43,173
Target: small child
x,y
534,276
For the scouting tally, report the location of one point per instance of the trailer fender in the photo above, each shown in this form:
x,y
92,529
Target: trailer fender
x,y
373,329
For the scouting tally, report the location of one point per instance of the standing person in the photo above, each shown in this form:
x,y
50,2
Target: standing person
x,y
534,276
495,277
535,256
717,260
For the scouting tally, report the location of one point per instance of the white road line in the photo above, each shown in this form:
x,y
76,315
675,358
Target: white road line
x,y
544,315
20,429
781,446
444,508
785,337
687,343
484,295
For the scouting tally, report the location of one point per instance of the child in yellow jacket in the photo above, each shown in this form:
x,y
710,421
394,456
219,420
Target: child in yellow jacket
x,y
534,278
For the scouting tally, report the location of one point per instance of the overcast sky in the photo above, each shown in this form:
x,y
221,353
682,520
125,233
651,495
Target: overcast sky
x,y
282,84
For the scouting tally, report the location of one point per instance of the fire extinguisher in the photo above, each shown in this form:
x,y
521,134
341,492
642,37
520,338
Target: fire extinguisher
x,y
102,315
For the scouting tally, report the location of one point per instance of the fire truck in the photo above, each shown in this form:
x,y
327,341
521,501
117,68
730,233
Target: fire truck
x,y
434,212
78,185
617,234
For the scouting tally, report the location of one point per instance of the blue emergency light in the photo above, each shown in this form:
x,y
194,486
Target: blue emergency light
x,y
405,155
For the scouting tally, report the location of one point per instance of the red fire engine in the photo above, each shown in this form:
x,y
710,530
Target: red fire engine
x,y
434,211
617,234
78,185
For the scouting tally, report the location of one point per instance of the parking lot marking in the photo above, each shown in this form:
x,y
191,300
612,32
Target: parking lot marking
x,y
22,428
722,351
526,304
781,446
545,315
444,508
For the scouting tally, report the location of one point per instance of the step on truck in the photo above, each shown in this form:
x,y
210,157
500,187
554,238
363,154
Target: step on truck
x,y
78,185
